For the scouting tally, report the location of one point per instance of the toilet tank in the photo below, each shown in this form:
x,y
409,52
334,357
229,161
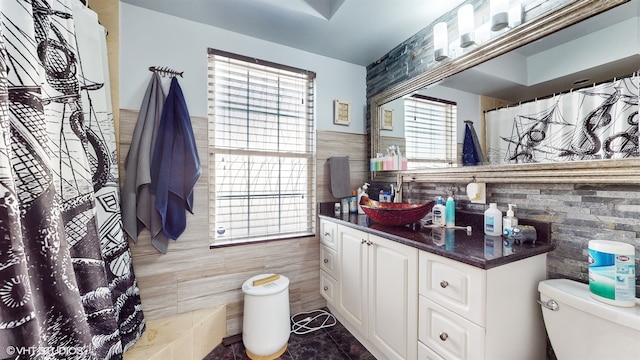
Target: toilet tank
x,y
584,328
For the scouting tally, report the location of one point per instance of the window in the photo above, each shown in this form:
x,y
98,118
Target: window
x,y
430,132
262,150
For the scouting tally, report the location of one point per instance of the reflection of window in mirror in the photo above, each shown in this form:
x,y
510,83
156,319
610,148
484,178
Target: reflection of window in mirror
x,y
430,132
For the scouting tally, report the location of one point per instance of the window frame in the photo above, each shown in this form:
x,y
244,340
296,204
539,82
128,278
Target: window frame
x,y
308,155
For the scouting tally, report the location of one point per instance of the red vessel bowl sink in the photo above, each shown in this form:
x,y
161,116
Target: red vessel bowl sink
x,y
394,214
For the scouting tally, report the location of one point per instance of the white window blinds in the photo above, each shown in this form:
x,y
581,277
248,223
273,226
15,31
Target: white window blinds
x,y
430,132
262,147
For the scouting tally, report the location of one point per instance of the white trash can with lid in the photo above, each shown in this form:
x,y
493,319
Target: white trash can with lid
x,y
265,326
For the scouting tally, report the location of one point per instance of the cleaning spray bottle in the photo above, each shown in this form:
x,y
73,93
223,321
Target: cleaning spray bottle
x,y
362,191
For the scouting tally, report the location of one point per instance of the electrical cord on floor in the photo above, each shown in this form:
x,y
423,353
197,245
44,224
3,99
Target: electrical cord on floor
x,y
300,327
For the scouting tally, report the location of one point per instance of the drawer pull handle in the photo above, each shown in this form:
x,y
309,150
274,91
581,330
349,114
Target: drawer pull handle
x,y
326,288
443,284
369,243
327,234
444,336
326,261
363,241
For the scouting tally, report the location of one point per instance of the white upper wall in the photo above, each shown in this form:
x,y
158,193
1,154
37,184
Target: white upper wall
x,y
149,38
615,42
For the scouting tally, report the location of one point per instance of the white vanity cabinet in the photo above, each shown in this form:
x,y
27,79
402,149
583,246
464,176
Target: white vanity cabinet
x,y
328,261
376,296
467,312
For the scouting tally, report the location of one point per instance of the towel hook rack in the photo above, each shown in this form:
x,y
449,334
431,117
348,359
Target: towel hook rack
x,y
163,70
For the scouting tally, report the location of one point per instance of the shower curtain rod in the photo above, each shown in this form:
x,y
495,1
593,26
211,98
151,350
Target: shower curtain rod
x,y
635,73
165,70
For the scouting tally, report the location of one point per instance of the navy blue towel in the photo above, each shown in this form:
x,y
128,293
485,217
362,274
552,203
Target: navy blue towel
x,y
175,166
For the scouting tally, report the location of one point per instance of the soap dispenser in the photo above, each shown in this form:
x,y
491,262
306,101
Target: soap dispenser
x,y
362,191
509,222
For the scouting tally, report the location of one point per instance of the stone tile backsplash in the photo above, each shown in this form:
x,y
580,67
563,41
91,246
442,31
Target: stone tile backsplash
x,y
577,213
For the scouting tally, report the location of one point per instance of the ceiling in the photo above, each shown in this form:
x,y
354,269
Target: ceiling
x,y
355,31
362,31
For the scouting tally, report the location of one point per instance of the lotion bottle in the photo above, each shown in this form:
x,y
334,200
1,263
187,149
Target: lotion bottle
x,y
493,220
450,212
439,213
509,222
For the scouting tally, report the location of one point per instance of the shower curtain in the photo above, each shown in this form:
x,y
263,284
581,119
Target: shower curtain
x,y
598,122
67,287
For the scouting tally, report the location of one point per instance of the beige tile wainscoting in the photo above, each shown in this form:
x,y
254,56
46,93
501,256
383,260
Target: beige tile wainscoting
x,y
186,336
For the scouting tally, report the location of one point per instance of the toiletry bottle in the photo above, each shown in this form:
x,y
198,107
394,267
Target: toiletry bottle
x,y
439,213
362,192
493,220
450,212
353,202
509,222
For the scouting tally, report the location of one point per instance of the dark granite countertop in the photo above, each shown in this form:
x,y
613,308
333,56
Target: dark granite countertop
x,y
477,249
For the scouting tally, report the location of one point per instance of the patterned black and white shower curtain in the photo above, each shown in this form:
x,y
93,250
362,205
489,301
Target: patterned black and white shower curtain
x,y
599,122
67,287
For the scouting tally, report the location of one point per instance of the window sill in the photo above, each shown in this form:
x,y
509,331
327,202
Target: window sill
x,y
237,242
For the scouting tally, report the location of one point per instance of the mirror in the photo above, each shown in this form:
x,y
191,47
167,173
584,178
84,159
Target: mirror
x,y
472,76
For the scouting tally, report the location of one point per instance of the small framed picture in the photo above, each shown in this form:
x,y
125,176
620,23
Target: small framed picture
x,y
387,119
341,112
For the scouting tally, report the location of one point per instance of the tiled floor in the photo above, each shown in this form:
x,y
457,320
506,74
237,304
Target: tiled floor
x,y
332,343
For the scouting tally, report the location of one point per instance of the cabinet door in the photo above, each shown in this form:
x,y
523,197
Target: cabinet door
x,y
352,278
393,298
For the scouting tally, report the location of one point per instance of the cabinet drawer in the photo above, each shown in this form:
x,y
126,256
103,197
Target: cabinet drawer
x,y
328,287
329,261
449,335
424,353
456,286
329,233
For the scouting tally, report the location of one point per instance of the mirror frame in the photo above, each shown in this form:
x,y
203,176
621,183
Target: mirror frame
x,y
609,171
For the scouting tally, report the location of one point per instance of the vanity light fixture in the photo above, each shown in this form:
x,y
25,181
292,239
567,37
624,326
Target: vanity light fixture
x,y
466,26
515,15
440,41
499,11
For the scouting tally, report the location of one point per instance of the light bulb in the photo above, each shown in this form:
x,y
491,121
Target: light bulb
x,y
440,41
499,10
466,25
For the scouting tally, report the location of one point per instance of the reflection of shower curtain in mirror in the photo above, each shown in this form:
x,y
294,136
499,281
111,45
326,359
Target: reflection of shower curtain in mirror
x,y
67,288
599,122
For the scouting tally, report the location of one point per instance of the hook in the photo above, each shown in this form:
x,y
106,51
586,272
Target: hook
x,y
165,71
473,179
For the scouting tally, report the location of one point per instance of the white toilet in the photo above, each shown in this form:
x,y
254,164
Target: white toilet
x,y
583,328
